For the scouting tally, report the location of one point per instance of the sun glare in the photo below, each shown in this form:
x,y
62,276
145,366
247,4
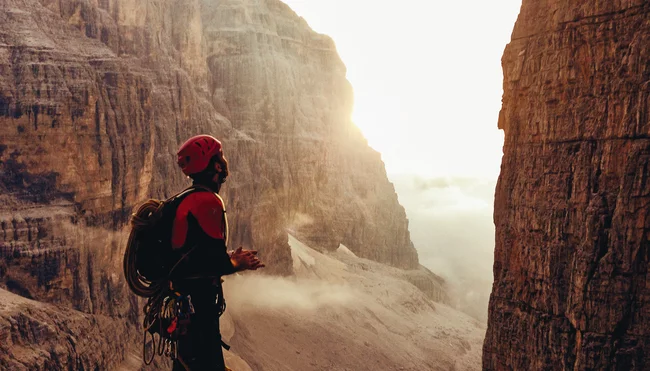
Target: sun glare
x,y
426,76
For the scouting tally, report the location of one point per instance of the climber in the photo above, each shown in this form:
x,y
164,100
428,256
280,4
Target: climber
x,y
200,231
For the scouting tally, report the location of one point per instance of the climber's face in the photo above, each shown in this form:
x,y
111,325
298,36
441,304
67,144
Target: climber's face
x,y
221,169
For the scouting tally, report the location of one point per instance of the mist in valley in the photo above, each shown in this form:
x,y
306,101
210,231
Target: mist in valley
x,y
450,220
341,312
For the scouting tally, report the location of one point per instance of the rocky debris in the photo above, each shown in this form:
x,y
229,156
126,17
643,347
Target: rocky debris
x,y
38,336
572,208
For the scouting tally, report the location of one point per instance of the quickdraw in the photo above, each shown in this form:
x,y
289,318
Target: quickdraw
x,y
169,317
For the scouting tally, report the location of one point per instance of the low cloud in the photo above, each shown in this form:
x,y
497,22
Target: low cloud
x,y
450,220
251,292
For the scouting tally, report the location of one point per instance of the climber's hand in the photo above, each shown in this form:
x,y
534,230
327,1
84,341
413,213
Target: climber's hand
x,y
245,259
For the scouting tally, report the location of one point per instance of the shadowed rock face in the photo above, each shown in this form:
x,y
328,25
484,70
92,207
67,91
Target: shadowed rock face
x,y
97,95
572,208
37,336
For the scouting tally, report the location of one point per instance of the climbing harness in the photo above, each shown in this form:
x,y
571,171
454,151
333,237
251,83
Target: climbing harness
x,y
169,317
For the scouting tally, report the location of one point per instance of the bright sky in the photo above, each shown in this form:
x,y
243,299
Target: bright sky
x,y
427,78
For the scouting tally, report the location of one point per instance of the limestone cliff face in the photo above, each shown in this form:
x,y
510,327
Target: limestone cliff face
x,y
572,208
97,95
299,163
39,336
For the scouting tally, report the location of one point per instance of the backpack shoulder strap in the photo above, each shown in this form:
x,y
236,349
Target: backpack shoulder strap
x,y
185,192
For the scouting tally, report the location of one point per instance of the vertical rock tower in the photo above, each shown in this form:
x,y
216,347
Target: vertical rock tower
x,y
572,210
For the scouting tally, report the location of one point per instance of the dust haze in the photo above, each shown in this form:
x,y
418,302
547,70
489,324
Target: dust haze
x,y
342,312
450,220
257,292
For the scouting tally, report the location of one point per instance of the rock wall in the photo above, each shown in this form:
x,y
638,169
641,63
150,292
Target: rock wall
x,y
299,163
572,208
97,95
44,337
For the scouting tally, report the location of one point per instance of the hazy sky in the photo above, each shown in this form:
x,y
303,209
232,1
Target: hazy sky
x,y
428,83
426,75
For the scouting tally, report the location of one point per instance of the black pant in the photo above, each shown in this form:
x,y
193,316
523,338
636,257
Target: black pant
x,y
200,348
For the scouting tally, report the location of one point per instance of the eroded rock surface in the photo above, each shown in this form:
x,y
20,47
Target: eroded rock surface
x,y
40,336
97,95
572,208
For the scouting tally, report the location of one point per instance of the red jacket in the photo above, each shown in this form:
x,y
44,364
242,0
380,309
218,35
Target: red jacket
x,y
200,230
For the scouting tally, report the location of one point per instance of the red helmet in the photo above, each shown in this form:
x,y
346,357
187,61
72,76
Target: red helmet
x,y
195,154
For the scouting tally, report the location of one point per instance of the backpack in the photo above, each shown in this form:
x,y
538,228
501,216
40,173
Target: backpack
x,y
149,256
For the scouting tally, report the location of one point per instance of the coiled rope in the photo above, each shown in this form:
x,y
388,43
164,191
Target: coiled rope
x,y
146,215
156,291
